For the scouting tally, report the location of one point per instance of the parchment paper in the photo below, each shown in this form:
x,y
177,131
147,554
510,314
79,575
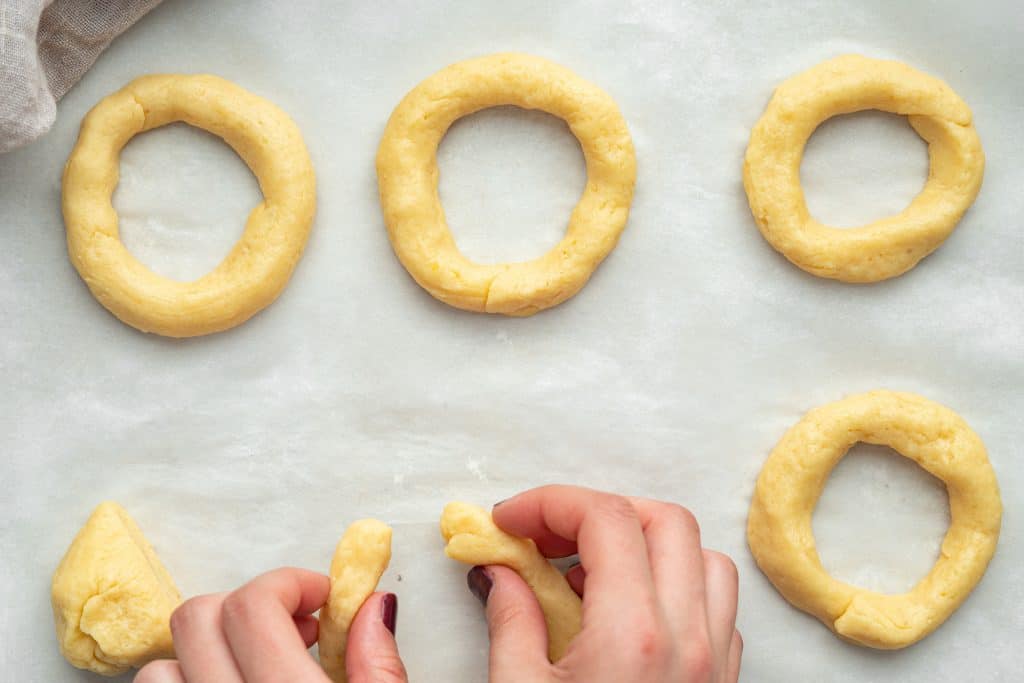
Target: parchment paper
x,y
671,375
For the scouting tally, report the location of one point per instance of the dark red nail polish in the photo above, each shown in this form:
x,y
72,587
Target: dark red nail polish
x,y
389,611
480,582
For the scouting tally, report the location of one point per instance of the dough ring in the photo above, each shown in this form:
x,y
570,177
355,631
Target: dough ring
x,y
362,555
473,538
259,265
407,173
112,598
782,541
887,247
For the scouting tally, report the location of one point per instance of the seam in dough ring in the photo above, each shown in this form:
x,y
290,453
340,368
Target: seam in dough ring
x,y
407,174
887,247
261,262
473,537
779,527
362,555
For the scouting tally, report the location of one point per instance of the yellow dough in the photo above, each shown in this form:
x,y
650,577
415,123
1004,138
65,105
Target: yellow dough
x,y
359,561
112,598
261,262
782,541
407,173
884,248
473,538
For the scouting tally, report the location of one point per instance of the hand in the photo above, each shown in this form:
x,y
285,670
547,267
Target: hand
x,y
261,632
657,607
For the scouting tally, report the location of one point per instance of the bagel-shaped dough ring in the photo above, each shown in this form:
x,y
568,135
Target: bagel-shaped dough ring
x,y
887,247
259,265
407,173
782,541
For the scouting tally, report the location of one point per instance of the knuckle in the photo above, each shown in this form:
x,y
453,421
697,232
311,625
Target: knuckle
x,y
191,612
698,660
652,650
386,667
652,644
500,617
617,508
237,608
722,564
682,517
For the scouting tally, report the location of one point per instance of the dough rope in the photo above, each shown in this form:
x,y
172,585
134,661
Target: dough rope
x,y
779,526
258,267
112,598
473,538
362,555
407,174
884,248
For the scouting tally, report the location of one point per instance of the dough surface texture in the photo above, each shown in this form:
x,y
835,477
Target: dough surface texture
x,y
362,555
472,537
259,265
407,174
781,538
887,247
112,598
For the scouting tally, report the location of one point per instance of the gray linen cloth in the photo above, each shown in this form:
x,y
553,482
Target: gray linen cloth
x,y
46,46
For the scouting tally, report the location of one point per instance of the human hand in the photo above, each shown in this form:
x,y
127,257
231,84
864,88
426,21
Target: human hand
x,y
261,632
657,607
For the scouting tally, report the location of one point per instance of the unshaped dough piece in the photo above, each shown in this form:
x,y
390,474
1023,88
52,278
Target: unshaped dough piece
x,y
474,538
112,598
359,561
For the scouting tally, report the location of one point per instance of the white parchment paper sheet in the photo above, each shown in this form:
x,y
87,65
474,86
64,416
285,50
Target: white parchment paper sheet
x,y
671,375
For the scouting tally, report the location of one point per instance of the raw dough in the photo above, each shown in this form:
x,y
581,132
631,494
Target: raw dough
x,y
259,265
407,174
359,561
779,528
473,538
112,598
884,248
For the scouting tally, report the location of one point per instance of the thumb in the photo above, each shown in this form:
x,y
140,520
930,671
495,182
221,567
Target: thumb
x,y
519,635
372,654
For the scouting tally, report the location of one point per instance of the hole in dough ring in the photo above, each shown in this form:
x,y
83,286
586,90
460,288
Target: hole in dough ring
x,y
779,527
258,266
887,247
408,175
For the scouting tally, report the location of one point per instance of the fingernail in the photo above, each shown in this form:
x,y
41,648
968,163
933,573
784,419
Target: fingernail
x,y
480,583
573,566
503,500
389,611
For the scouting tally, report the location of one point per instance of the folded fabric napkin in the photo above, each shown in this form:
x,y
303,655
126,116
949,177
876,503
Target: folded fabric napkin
x,y
45,47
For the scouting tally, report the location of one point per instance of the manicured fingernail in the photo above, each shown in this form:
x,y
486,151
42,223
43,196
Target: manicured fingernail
x,y
389,611
480,583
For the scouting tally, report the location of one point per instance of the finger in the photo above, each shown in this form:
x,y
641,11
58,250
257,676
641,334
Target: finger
x,y
722,583
160,671
610,541
520,519
371,655
732,670
677,564
576,576
308,627
259,625
203,651
515,623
